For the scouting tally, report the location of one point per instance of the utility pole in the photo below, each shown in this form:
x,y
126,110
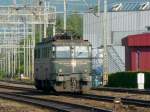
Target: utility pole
x,y
65,15
45,21
105,66
54,25
98,2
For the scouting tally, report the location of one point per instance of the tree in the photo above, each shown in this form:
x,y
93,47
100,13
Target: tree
x,y
59,24
74,24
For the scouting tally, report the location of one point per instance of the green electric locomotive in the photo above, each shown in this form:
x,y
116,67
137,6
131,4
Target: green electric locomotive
x,y
63,64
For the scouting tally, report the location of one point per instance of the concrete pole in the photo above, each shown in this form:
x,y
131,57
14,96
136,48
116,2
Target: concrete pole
x,y
19,61
30,75
0,65
45,22
24,52
27,56
65,15
4,66
27,53
98,2
54,29
105,66
40,33
9,62
13,62
54,26
33,46
5,56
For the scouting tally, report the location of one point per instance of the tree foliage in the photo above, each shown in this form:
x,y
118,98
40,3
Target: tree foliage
x,y
74,24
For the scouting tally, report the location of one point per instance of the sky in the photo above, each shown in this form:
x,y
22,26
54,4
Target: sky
x,y
81,5
75,5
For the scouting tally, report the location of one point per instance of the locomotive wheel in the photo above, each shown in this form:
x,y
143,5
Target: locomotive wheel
x,y
38,85
47,86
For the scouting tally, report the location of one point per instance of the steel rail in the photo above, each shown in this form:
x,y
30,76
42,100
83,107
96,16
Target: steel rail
x,y
16,82
133,91
18,88
127,101
57,105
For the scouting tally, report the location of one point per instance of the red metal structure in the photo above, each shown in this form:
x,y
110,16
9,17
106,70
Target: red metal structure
x,y
137,51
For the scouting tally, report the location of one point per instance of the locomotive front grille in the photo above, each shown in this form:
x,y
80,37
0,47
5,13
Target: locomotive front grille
x,y
73,83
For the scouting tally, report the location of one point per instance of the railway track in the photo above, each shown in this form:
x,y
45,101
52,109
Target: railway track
x,y
111,89
17,88
127,101
47,103
16,82
59,106
134,91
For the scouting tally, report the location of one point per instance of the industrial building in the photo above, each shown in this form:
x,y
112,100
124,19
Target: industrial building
x,y
120,23
137,51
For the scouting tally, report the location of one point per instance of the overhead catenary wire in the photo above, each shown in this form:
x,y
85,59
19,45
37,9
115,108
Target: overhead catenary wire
x,y
16,33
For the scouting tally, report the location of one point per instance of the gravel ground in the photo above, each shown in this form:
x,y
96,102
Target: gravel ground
x,y
119,94
99,104
96,92
12,106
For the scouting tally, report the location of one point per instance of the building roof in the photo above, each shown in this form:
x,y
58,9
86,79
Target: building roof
x,y
127,5
137,40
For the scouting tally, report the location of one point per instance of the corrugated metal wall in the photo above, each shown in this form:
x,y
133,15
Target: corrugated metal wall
x,y
120,24
91,29
118,35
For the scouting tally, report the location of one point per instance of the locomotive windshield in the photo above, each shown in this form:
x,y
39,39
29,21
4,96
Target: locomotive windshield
x,y
62,52
77,52
81,52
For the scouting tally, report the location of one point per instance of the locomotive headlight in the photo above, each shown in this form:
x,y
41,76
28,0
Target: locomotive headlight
x,y
85,70
60,70
73,63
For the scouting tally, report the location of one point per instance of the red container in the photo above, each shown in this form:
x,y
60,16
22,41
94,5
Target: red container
x,y
137,51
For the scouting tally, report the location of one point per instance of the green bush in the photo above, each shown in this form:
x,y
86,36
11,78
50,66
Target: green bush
x,y
2,74
127,80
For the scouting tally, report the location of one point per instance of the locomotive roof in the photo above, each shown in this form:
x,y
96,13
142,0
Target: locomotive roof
x,y
64,39
66,42
70,42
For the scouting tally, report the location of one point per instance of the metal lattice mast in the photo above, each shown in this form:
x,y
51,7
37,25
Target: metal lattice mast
x,y
18,24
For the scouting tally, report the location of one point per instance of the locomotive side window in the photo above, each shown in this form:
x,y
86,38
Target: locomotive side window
x,y
62,52
37,53
45,52
81,52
